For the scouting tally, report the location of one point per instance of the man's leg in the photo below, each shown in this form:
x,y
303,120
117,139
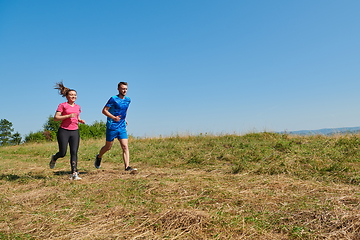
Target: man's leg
x,y
124,143
105,148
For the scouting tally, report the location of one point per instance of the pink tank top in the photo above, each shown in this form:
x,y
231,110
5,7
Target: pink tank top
x,y
66,109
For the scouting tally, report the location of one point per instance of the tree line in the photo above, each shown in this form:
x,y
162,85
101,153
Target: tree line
x,y
48,133
7,137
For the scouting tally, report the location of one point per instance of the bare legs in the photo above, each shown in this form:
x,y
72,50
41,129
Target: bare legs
x,y
105,148
126,154
125,150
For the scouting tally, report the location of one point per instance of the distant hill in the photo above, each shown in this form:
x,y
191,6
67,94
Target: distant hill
x,y
326,131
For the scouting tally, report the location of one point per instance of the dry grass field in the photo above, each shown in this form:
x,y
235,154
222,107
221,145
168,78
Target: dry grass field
x,y
256,186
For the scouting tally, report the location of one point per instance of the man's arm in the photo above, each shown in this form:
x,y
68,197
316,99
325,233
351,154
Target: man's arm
x,y
106,112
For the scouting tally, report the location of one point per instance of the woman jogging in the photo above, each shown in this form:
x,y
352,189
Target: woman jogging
x,y
69,115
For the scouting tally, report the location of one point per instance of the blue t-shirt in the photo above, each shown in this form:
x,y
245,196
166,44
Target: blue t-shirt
x,y
117,107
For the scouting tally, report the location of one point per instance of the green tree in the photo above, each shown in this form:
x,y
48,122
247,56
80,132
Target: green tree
x,y
95,130
35,137
51,124
50,128
5,132
16,139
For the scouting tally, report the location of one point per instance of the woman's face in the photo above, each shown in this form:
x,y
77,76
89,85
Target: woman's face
x,y
71,96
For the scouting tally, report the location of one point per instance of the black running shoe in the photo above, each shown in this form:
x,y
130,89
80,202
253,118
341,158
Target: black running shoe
x,y
97,162
130,169
52,162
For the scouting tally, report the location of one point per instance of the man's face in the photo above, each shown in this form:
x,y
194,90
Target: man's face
x,y
123,89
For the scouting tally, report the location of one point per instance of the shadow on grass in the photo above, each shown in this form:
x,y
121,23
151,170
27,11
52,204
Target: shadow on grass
x,y
15,177
61,173
9,177
29,177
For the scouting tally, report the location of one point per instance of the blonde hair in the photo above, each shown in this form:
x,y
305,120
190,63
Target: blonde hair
x,y
63,91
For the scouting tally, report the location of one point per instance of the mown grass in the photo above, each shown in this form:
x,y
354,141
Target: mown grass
x,y
255,186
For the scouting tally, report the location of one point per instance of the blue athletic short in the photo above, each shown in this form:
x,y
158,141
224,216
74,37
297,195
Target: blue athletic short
x,y
117,133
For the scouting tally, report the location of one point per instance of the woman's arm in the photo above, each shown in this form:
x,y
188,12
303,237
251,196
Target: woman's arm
x,y
80,120
59,117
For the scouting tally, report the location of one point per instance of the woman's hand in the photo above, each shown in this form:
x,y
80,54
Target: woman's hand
x,y
72,115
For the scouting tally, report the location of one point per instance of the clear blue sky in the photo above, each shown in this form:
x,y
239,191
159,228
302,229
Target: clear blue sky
x,y
193,66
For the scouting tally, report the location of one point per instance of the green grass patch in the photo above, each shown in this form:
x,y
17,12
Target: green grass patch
x,y
255,186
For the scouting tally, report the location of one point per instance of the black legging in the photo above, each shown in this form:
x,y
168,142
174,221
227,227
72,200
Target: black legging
x,y
73,138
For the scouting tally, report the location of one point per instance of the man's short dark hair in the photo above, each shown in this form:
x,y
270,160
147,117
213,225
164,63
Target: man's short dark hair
x,y
122,83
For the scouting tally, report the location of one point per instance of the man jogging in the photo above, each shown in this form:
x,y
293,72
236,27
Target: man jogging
x,y
115,110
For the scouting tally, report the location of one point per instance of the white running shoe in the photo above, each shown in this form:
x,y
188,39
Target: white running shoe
x,y
75,176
